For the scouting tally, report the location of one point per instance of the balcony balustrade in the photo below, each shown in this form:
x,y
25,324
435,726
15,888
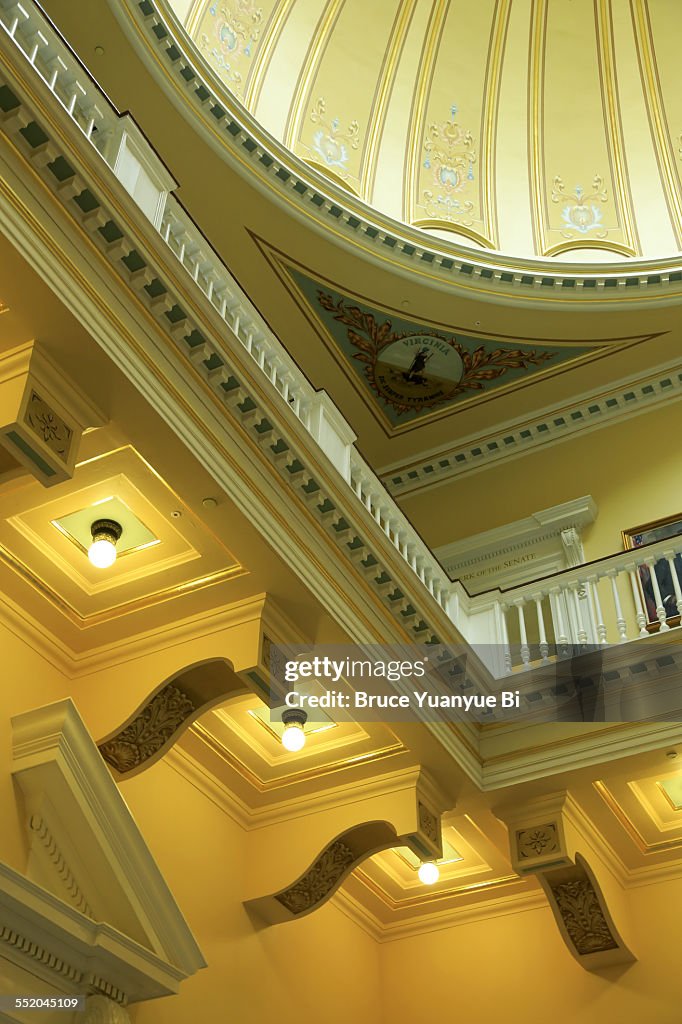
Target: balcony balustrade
x,y
600,603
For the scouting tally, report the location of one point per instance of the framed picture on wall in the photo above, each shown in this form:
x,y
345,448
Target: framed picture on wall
x,y
649,533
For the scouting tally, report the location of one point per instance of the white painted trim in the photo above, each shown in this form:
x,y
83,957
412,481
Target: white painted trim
x,y
548,523
61,946
57,765
625,398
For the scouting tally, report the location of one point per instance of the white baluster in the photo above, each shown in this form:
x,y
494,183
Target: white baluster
x,y
636,597
505,637
560,633
544,646
660,610
18,14
620,618
676,583
593,592
55,67
525,649
37,39
582,632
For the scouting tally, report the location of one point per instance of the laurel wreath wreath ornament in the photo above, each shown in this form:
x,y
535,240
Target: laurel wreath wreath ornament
x,y
479,365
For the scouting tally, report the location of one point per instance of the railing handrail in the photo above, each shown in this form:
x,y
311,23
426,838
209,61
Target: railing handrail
x,y
102,125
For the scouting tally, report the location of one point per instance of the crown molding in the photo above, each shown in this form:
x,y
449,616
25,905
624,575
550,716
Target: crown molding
x,y
547,524
626,398
77,664
427,919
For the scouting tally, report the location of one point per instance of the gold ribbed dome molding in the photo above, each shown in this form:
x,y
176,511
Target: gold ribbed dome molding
x,y
532,127
448,261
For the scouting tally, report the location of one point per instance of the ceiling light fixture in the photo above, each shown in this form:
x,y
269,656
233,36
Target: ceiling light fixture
x,y
105,534
293,737
429,872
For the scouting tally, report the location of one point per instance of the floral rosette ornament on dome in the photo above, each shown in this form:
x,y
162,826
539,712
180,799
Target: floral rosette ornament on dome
x,y
581,213
236,29
330,143
450,155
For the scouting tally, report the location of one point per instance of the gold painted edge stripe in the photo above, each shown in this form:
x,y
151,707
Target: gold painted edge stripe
x,y
194,16
265,52
114,611
613,137
608,77
210,740
429,899
319,42
535,130
171,272
658,123
379,109
489,115
504,262
629,826
454,228
427,62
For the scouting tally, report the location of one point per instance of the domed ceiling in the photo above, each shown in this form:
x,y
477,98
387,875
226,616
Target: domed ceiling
x,y
535,127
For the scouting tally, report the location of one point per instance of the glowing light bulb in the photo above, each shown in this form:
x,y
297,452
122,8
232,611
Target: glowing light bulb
x,y
102,551
429,872
293,737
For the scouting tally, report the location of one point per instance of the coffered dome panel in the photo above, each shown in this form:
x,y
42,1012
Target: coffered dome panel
x,y
534,127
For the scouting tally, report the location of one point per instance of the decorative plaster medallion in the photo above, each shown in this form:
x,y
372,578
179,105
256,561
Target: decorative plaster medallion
x,y
428,823
48,426
537,841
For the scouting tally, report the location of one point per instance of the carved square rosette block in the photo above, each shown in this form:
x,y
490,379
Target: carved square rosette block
x,y
42,414
537,835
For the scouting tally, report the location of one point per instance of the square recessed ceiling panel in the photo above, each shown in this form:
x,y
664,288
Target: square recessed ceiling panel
x,y
77,526
672,788
165,550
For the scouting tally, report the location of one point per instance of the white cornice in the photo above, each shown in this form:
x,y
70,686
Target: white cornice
x,y
60,945
76,664
429,919
541,525
56,764
625,398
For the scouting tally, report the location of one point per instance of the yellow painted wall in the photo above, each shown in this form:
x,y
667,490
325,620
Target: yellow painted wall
x,y
27,681
516,969
632,469
324,968
321,968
